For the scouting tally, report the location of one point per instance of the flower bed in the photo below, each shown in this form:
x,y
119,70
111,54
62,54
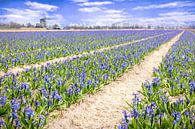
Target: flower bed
x,y
168,102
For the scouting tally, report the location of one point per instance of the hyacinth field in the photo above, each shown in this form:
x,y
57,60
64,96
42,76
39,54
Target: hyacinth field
x,y
168,101
27,98
27,48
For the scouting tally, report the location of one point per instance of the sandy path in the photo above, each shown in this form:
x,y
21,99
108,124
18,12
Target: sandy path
x,y
104,108
19,69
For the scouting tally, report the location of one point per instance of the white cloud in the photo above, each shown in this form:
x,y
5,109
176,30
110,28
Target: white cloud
x,y
80,1
121,0
39,6
174,14
90,9
97,3
110,16
56,19
177,4
23,12
113,11
177,17
32,14
21,15
98,15
24,16
106,17
165,19
10,16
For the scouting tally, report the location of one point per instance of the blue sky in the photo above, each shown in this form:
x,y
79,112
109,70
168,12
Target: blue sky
x,y
96,12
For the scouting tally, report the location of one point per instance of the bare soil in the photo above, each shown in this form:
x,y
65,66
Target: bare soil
x,y
104,109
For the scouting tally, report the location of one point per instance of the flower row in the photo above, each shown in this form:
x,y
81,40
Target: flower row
x,y
168,102
33,47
